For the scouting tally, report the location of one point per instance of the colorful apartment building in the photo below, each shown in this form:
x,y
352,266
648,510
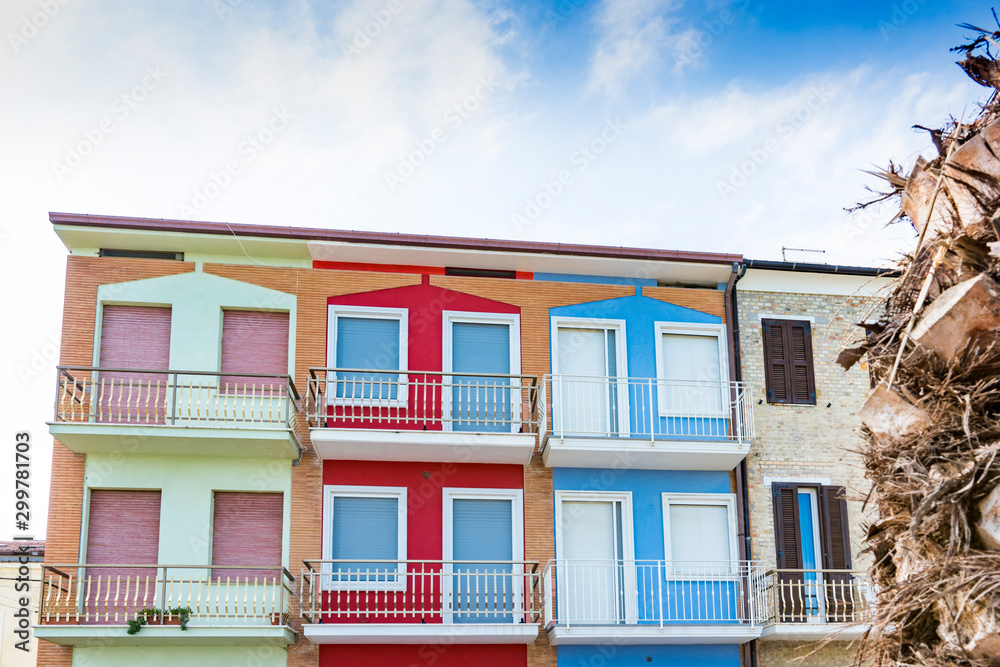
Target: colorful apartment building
x,y
316,447
806,482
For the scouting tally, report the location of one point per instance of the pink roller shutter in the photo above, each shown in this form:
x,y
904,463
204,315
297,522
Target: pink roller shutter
x,y
246,530
124,528
253,342
134,337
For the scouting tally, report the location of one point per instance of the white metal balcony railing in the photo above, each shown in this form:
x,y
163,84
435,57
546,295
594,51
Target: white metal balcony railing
x,y
818,596
83,593
427,400
431,591
89,394
645,408
625,592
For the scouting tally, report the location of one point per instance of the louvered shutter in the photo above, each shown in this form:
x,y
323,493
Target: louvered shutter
x,y
787,541
133,337
803,389
253,342
837,554
123,528
246,530
788,362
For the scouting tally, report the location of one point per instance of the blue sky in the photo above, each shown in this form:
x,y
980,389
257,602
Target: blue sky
x,y
737,126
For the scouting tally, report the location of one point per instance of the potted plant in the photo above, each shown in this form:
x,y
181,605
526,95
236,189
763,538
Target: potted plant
x,y
177,616
143,617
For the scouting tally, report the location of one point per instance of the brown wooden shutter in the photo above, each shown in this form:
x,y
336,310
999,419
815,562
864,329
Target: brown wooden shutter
x,y
134,337
791,598
253,342
836,538
803,389
123,528
788,362
246,530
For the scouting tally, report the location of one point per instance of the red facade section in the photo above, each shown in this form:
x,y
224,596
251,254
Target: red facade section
x,y
439,655
425,305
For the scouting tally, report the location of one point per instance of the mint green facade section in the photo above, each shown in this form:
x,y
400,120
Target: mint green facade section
x,y
187,485
172,656
197,300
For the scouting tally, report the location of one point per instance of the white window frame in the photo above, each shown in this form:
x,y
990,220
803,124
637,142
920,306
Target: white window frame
x,y
718,331
334,312
621,361
330,493
628,540
727,500
513,321
449,495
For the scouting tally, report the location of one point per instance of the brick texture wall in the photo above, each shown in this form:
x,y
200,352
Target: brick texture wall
x,y
803,442
312,287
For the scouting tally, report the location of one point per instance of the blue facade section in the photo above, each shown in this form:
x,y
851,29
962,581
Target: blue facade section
x,y
601,280
707,655
647,503
640,314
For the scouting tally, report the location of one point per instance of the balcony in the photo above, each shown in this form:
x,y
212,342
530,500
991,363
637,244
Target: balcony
x,y
88,605
187,413
612,422
652,602
417,602
376,415
811,605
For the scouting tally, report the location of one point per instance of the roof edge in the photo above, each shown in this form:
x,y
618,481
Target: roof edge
x,y
386,238
804,267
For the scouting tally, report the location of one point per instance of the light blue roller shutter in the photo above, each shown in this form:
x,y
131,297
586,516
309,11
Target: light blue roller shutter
x,y
481,404
482,531
364,529
367,343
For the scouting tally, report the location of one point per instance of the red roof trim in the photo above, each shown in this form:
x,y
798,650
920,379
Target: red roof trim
x,y
384,238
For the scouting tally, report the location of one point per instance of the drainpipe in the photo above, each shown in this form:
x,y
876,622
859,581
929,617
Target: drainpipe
x,y
736,375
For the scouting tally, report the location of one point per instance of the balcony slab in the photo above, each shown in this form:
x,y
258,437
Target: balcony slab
x,y
421,633
686,633
633,453
810,632
151,635
99,438
442,446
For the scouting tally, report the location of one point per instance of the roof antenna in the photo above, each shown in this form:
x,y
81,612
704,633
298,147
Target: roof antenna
x,y
783,249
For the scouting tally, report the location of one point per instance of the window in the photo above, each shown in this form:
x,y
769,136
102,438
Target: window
x,y
590,391
788,362
700,533
362,526
487,343
690,366
246,531
483,529
362,342
254,342
811,533
135,346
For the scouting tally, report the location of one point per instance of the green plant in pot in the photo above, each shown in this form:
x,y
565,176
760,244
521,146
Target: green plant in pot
x,y
183,613
142,617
